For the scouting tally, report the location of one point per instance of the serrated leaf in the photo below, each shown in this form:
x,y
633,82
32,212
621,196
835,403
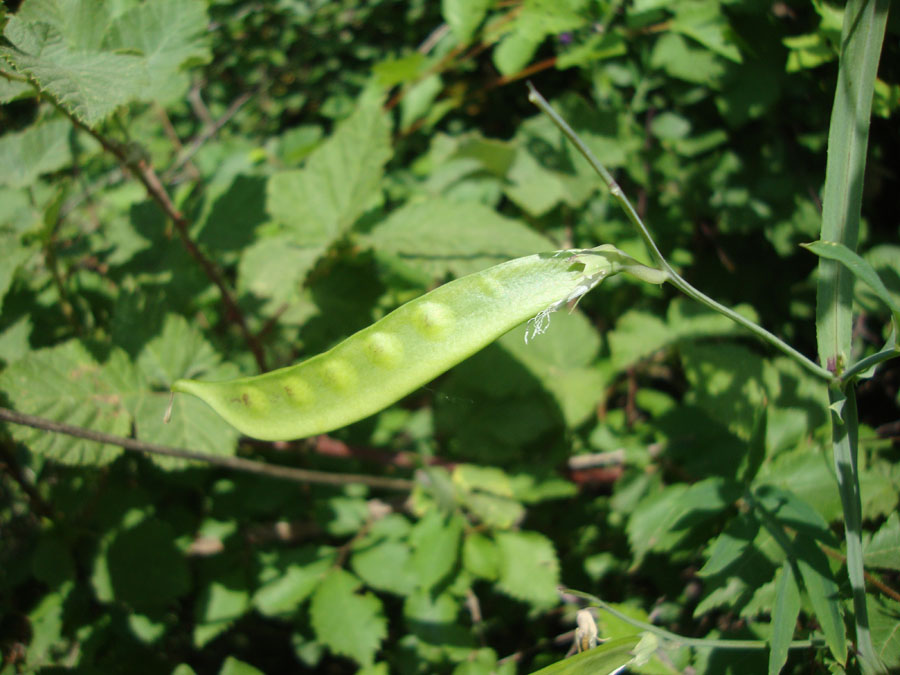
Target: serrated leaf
x,y
784,617
39,149
179,349
319,203
65,383
89,84
605,659
469,236
169,35
274,269
884,617
883,549
529,568
348,623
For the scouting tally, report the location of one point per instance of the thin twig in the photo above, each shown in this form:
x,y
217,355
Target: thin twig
x,y
615,190
235,463
210,130
141,168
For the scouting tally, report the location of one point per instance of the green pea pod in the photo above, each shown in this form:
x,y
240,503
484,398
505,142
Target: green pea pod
x,y
407,348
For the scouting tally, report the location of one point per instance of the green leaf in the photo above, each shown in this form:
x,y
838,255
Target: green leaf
x,y
435,541
65,383
529,568
274,269
169,34
606,45
784,617
824,594
480,556
341,179
661,521
464,16
284,594
469,236
432,619
419,100
673,55
515,51
730,546
39,149
146,569
883,549
885,618
562,359
232,666
348,623
89,84
223,602
385,566
704,22
862,270
179,351
604,659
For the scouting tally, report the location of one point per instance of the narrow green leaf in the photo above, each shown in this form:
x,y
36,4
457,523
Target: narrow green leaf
x,y
863,271
848,135
604,659
784,617
824,594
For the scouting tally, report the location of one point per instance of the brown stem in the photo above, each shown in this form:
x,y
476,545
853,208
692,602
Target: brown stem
x,y
145,173
235,463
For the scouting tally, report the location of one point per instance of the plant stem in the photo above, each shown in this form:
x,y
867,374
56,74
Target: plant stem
x,y
674,278
236,463
702,643
848,136
145,173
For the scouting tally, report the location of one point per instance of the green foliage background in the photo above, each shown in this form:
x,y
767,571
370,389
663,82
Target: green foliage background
x,y
333,160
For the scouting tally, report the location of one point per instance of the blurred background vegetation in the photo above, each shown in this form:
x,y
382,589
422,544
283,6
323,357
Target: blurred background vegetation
x,y
326,161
